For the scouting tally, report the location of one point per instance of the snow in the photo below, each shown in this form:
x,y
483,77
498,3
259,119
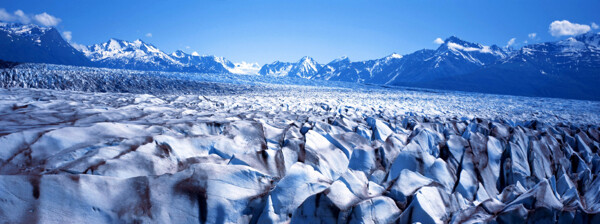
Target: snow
x,y
107,145
245,68
454,46
394,55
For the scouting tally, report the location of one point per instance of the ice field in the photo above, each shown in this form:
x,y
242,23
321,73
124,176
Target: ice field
x,y
276,153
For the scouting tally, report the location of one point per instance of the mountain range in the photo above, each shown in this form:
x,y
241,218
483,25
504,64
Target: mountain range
x,y
32,43
568,68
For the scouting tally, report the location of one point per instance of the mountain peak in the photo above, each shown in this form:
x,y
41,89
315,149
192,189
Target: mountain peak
x,y
178,54
113,44
394,55
33,43
341,59
25,29
306,58
453,39
114,40
590,38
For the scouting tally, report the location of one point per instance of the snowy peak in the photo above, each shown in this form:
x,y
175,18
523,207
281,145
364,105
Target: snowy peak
x,y
306,67
178,54
574,55
277,69
589,38
25,29
454,40
306,59
115,48
394,56
453,43
140,55
457,51
343,59
32,43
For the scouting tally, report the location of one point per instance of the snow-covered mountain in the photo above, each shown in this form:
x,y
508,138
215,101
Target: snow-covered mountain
x,y
130,55
565,68
454,57
277,68
31,43
568,68
575,54
306,68
205,63
140,55
370,71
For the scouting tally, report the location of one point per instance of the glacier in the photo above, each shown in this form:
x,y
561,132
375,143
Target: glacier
x,y
107,145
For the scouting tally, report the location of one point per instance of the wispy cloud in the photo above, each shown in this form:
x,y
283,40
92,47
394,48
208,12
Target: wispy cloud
x,y
149,35
566,28
532,35
511,42
5,16
67,35
22,17
438,41
44,18
79,47
595,26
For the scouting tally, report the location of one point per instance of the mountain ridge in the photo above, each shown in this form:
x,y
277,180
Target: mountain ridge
x,y
568,67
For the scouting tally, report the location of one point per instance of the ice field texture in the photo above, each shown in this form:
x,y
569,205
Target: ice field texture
x,y
276,153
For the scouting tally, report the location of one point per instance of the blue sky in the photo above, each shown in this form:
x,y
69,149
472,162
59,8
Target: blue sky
x,y
264,31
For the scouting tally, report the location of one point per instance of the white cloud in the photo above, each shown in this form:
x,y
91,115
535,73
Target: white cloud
x,y
438,41
566,28
187,47
79,47
5,16
67,35
46,19
532,35
22,17
149,35
595,26
511,42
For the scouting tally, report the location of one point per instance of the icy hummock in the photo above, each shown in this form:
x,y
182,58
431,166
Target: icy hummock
x,y
279,153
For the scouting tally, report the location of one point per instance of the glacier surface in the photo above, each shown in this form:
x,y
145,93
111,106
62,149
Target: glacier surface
x,y
234,152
